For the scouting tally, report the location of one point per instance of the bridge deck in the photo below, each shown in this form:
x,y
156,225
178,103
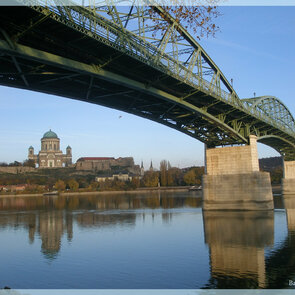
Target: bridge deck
x,y
42,51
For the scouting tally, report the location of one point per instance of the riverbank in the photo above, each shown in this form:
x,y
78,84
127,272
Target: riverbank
x,y
139,190
276,189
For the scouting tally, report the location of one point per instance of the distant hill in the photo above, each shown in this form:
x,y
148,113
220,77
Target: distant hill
x,y
270,164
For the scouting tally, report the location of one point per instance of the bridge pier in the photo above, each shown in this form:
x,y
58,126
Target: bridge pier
x,y
288,181
232,180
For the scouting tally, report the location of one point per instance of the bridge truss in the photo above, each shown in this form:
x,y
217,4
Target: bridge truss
x,y
118,57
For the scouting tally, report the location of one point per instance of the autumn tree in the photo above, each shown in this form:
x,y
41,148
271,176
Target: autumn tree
x,y
189,177
94,185
135,182
170,180
199,172
105,185
194,176
60,185
163,172
29,163
151,179
176,175
73,185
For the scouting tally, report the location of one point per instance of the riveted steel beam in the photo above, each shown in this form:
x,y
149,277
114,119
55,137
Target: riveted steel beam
x,y
96,70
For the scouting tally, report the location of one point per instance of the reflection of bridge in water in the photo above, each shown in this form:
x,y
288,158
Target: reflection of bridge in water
x,y
236,240
117,58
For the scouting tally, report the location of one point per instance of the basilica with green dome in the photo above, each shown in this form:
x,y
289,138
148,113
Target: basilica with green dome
x,y
50,155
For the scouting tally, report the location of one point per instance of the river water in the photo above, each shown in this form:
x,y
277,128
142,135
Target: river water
x,y
143,241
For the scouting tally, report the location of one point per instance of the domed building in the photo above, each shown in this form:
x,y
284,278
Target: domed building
x,y
50,155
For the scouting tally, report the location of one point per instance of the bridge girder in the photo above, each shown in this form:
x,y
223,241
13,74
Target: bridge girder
x,y
281,145
44,59
272,107
118,59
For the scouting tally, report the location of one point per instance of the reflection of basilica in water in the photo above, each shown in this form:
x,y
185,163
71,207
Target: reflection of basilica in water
x,y
51,227
53,217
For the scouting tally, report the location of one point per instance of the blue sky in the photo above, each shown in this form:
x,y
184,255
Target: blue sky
x,y
255,48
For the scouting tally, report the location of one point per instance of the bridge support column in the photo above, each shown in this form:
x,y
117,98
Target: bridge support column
x,y
233,181
288,182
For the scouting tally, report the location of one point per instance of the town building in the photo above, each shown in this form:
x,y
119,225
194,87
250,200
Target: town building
x,y
108,164
50,155
120,176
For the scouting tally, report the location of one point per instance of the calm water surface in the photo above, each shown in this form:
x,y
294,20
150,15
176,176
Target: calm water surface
x,y
155,241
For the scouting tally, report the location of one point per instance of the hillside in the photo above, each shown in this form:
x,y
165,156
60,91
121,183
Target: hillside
x,y
270,164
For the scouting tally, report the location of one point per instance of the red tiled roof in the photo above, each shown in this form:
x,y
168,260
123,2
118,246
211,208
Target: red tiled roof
x,y
95,158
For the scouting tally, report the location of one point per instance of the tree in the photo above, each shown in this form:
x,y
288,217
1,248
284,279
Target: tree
x,y
15,164
163,172
94,185
194,176
29,163
198,18
190,177
170,180
176,176
60,185
199,172
73,185
135,182
151,179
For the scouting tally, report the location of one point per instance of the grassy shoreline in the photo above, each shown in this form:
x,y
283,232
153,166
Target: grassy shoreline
x,y
140,190
275,188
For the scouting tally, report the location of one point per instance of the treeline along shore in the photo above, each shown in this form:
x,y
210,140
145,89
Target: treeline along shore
x,y
69,180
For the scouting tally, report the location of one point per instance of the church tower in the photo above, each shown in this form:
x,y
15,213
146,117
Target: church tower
x,y
68,156
151,167
141,169
31,153
32,156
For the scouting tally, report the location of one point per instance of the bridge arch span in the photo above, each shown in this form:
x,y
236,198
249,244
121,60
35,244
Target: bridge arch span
x,y
272,107
116,59
283,146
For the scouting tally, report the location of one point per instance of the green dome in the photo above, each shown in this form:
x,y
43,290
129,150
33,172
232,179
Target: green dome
x,y
50,134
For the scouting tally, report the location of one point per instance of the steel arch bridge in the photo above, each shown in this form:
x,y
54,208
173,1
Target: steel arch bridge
x,y
117,57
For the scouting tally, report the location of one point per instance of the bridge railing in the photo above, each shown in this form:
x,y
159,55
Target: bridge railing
x,y
98,27
111,34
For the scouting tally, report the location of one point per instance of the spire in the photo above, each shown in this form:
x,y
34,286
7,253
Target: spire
x,y
151,167
141,169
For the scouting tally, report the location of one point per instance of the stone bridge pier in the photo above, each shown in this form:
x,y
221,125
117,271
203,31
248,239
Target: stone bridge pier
x,y
232,180
288,181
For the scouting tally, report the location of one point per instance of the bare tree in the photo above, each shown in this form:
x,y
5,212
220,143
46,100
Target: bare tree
x,y
200,20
